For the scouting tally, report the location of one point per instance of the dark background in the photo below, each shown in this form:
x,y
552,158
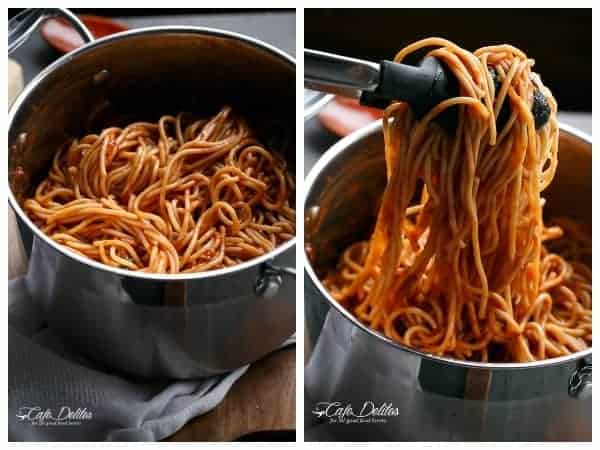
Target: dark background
x,y
560,40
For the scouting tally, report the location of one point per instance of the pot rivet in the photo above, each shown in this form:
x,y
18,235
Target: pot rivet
x,y
101,76
22,139
267,284
580,383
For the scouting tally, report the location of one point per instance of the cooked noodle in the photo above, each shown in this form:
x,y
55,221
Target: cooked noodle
x,y
174,196
465,272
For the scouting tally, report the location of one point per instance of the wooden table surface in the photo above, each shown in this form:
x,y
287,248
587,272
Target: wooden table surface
x,y
263,400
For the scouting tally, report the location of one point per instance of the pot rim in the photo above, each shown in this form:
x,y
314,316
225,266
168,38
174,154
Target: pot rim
x,y
328,157
315,107
66,59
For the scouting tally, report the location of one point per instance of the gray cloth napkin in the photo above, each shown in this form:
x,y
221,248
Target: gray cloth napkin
x,y
86,402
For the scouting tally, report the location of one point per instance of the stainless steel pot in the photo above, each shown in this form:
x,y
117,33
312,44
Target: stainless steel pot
x,y
154,325
437,399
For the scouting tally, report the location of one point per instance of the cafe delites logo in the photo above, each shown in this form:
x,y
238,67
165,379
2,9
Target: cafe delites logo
x,y
368,412
45,417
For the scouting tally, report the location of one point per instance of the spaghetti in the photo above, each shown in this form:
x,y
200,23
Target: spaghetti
x,y
180,195
467,271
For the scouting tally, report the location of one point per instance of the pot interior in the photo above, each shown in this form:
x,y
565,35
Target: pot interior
x,y
343,200
142,75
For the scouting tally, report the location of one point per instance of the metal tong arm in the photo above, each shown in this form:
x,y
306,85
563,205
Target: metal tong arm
x,y
22,26
377,84
339,75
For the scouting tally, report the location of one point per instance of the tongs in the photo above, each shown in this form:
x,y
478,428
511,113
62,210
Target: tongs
x,y
22,26
377,84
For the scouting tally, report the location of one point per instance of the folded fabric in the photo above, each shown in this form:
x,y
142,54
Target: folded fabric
x,y
55,394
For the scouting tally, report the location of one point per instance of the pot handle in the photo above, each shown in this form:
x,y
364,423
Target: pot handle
x,y
22,26
580,383
270,279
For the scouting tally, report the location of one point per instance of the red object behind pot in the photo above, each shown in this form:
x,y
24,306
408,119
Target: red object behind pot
x,y
342,116
63,37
